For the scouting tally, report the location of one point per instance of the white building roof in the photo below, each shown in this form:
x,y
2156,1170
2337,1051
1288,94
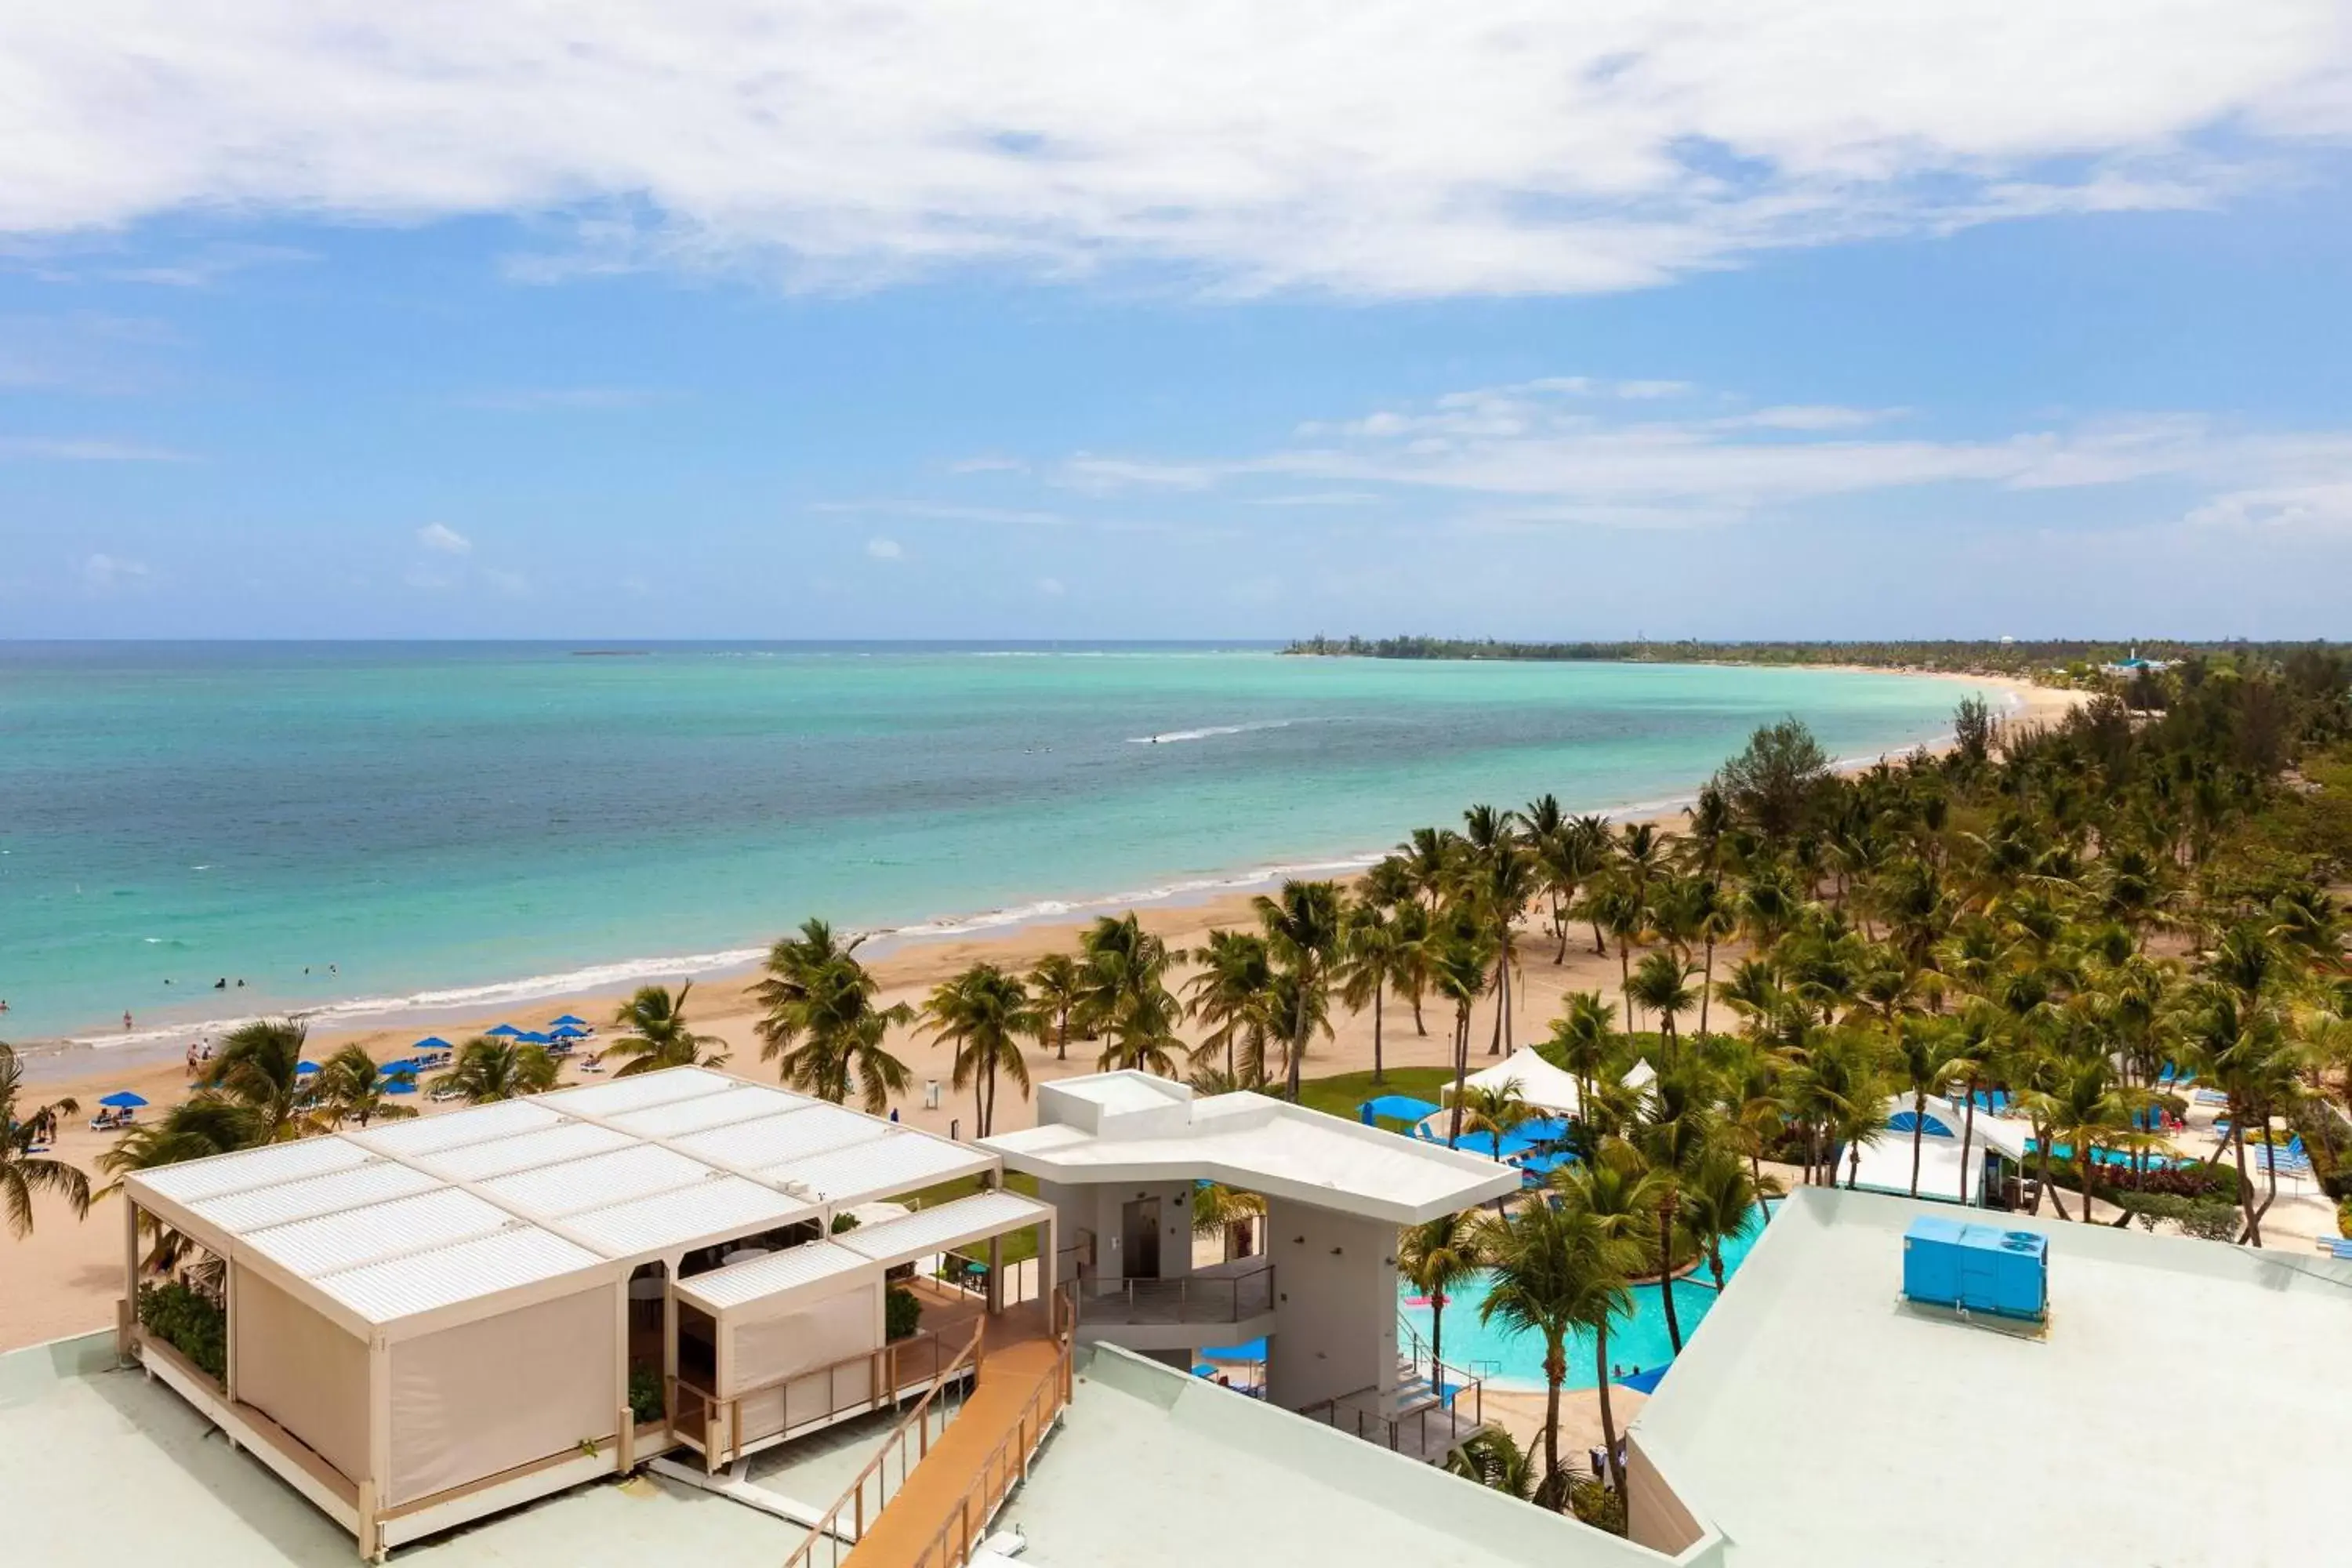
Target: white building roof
x,y
1147,1129
508,1195
789,1269
931,1230
2142,1331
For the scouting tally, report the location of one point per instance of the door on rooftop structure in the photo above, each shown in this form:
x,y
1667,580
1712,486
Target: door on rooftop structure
x,y
1139,1239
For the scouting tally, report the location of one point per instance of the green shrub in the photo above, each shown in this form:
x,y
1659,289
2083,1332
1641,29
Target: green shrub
x,y
901,1313
189,1321
645,1396
2202,1217
842,1222
2343,1217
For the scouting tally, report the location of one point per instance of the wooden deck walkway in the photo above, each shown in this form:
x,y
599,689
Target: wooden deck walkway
x,y
1021,1355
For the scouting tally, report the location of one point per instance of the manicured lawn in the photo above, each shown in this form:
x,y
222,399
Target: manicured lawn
x,y
1341,1093
1019,1247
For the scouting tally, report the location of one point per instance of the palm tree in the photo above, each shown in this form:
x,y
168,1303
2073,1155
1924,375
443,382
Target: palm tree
x,y
349,1087
1556,1269
1226,1212
1615,1196
1719,1201
259,1066
1140,1037
1366,959
1437,1257
657,1036
1231,992
983,1012
21,1171
1497,1112
1662,985
1493,1458
1675,1131
823,1030
1459,974
1059,986
1923,1056
489,1070
1615,905
1583,1038
1303,928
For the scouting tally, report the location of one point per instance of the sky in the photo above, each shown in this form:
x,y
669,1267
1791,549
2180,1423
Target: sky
x,y
1221,321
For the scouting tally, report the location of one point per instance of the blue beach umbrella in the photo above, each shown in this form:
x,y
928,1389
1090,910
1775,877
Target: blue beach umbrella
x,y
431,1043
509,1030
566,1032
531,1038
1644,1382
123,1099
569,1022
304,1070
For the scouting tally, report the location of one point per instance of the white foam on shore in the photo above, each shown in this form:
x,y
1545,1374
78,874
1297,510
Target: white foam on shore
x,y
1172,736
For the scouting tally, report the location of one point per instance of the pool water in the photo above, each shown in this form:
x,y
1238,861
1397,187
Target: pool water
x,y
1509,1360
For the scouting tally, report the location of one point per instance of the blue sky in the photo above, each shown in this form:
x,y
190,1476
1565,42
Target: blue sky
x,y
1118,322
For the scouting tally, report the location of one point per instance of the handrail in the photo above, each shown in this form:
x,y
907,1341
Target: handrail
x,y
1373,1426
885,1374
1186,1299
1008,1462
827,1528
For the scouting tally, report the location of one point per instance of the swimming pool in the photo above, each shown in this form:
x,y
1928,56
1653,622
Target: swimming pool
x,y
2064,1153
1515,1361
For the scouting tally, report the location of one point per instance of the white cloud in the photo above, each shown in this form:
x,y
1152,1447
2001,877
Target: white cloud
x,y
884,548
1811,417
1051,587
105,573
443,540
208,265
1367,147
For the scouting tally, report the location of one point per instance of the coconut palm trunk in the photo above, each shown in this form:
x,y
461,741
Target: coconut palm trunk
x,y
1378,1073
1919,1116
1968,1131
1666,1206
1555,1374
1611,1471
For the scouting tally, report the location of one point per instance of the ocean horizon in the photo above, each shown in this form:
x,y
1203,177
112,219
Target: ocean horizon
x,y
357,830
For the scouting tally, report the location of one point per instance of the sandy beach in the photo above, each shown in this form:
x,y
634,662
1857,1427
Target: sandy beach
x,y
65,1278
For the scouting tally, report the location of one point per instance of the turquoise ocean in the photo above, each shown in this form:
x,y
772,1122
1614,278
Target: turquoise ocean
x,y
451,826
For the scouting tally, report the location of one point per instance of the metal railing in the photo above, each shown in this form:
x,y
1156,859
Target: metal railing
x,y
908,1443
1187,1299
1007,1464
813,1396
1412,1429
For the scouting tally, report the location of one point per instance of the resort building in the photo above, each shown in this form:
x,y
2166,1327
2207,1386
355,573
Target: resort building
x,y
435,1319
1118,1156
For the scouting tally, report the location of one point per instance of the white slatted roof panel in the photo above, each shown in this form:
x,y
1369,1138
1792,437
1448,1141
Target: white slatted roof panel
x,y
374,1183
778,1139
200,1179
881,1167
637,1172
779,1271
927,1231
525,1150
620,1095
709,1210
425,1282
680,1117
311,1247
431,1135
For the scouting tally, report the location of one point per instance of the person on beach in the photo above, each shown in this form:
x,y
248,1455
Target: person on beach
x,y
192,1058
126,1018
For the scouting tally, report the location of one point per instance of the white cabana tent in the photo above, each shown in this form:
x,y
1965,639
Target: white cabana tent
x,y
1886,1160
1538,1083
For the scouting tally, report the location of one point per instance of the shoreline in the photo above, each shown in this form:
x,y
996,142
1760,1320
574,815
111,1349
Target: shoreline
x,y
62,1058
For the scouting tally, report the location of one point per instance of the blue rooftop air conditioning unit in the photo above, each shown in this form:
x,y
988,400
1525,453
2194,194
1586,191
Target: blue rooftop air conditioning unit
x,y
1977,1268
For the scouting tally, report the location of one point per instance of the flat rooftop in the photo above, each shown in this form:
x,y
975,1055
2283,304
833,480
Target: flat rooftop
x,y
2186,1406
103,1464
1135,1127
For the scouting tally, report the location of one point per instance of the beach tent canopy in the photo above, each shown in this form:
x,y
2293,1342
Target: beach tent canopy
x,y
503,1030
123,1099
1884,1164
1394,1108
1538,1082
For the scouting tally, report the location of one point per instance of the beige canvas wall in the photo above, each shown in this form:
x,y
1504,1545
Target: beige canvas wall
x,y
469,1401
817,1335
303,1371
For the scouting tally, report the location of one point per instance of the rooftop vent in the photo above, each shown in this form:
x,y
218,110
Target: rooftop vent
x,y
1977,1268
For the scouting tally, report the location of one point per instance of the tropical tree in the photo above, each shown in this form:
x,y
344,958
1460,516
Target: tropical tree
x,y
1231,992
1226,1212
822,1028
1059,986
983,1013
655,1034
1673,1134
349,1087
1583,1039
259,1068
1493,1458
1662,986
1497,1112
1303,928
1437,1257
1554,1269
21,1171
489,1068
1368,965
